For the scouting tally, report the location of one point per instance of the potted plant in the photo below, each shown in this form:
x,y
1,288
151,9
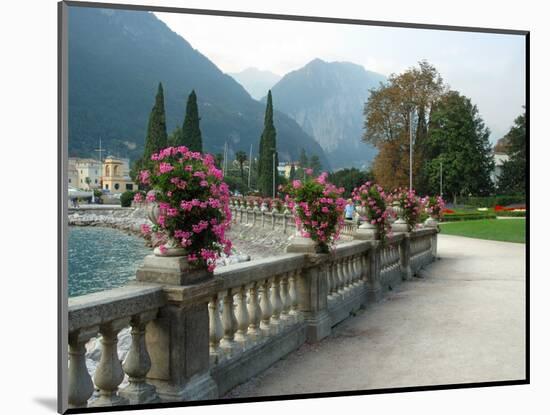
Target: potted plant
x,y
434,206
188,204
318,211
408,208
373,207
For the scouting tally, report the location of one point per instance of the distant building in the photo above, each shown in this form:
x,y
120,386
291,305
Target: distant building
x,y
116,175
73,173
284,168
499,159
88,173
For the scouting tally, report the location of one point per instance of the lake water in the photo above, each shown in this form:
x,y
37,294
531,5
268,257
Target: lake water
x,y
102,258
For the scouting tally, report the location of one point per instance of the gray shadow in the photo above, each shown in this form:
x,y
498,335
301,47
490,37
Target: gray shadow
x,y
48,403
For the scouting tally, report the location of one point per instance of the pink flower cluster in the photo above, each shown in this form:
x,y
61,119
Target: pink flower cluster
x,y
434,206
375,201
410,206
317,207
193,203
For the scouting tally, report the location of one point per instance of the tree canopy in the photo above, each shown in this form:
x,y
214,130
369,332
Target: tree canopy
x,y
513,176
458,138
388,123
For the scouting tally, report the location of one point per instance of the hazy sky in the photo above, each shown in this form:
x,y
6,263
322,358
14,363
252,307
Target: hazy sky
x,y
488,68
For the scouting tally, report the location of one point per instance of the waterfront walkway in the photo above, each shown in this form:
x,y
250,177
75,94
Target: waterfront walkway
x,y
464,321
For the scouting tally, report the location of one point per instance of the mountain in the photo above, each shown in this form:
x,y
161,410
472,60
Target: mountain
x,y
327,99
256,81
116,60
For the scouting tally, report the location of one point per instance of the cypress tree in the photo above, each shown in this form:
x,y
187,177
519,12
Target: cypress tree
x,y
191,133
268,148
157,138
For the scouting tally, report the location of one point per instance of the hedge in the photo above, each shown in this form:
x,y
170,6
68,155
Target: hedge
x,y
454,217
511,213
490,201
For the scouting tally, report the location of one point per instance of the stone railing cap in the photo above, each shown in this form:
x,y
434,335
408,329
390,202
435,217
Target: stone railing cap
x,y
104,306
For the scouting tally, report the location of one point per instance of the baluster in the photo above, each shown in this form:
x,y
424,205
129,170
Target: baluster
x,y
340,277
347,276
285,301
137,363
254,313
330,281
215,330
276,304
109,374
265,305
293,296
242,318
81,386
227,342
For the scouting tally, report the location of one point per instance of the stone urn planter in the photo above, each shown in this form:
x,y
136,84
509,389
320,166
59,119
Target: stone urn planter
x,y
431,222
301,244
400,225
173,247
366,230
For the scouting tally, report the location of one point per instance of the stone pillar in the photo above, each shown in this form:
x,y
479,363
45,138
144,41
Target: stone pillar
x,y
178,339
312,290
374,287
405,257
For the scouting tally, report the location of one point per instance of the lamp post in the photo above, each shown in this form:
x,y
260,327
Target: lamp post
x,y
411,150
440,178
274,170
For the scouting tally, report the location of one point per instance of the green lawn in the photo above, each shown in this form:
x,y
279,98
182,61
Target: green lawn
x,y
507,230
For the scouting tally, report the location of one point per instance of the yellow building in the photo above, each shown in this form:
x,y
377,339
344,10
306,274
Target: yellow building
x,y
116,175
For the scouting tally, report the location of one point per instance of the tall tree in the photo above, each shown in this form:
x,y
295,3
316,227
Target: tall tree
x,y
459,140
388,123
156,138
190,135
513,176
315,164
156,129
269,159
303,160
241,158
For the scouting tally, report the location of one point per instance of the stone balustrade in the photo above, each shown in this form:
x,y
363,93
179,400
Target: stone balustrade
x,y
275,220
106,313
197,338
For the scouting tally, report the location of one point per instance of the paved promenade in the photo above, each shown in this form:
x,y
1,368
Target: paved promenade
x,y
464,321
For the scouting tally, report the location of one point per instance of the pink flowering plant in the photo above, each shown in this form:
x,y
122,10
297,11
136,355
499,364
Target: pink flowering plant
x,y
410,206
318,209
434,206
374,200
193,203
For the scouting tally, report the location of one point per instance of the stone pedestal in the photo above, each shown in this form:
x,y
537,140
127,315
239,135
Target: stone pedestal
x,y
312,293
178,339
174,270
